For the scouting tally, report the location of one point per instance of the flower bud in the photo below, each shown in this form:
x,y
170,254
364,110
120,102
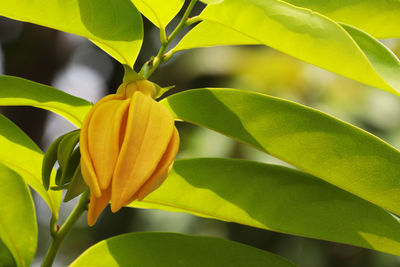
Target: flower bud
x,y
128,144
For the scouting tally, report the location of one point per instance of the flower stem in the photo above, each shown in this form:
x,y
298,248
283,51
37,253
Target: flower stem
x,y
65,229
150,66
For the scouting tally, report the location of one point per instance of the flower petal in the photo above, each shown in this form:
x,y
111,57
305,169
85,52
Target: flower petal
x,y
103,138
149,129
163,168
88,174
97,205
162,171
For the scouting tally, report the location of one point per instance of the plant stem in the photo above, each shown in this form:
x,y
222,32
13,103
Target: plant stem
x,y
65,229
53,226
150,66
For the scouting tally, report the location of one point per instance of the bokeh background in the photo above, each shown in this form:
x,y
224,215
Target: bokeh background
x,y
77,66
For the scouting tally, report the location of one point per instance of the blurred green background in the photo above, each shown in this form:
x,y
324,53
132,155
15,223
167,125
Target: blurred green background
x,y
74,64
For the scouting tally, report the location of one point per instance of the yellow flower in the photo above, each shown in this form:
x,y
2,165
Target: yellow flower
x,y
128,144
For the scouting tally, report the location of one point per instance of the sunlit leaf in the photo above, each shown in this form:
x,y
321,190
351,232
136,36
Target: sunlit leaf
x,y
384,61
115,26
169,249
274,198
16,91
18,229
301,33
21,154
317,143
159,12
209,33
379,18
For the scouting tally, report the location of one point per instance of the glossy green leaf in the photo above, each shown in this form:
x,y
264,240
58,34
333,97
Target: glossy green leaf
x,y
21,154
6,258
18,229
384,61
16,91
274,198
379,18
315,142
170,249
301,33
115,26
159,12
209,33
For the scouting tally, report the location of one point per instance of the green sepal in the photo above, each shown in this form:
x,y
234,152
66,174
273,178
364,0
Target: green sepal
x,y
72,164
60,150
49,159
162,90
131,75
77,185
66,147
211,2
59,187
58,176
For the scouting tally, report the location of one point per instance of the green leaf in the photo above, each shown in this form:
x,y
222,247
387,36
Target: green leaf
x,y
159,12
274,198
379,18
301,33
21,154
384,61
315,142
6,258
18,229
209,33
170,249
16,91
115,26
